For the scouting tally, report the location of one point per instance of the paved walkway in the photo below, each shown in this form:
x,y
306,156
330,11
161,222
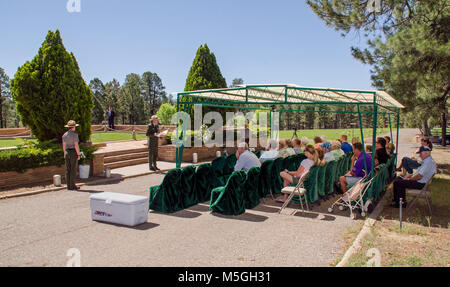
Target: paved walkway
x,y
40,229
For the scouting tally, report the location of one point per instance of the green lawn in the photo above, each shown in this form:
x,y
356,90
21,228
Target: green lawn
x,y
335,134
115,136
96,138
330,134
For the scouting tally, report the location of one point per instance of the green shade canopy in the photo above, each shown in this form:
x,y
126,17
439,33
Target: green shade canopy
x,y
295,94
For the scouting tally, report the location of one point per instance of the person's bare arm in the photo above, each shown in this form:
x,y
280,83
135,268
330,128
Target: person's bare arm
x,y
64,149
298,172
77,148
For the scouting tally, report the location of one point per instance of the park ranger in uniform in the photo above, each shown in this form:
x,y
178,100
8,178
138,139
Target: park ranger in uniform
x,y
71,154
153,134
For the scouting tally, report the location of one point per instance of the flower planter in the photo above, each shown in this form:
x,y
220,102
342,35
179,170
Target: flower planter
x,y
84,170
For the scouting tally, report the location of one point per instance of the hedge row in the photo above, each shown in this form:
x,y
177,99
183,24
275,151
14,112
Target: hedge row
x,y
31,155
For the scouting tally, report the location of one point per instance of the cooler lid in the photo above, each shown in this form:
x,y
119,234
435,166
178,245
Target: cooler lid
x,y
119,197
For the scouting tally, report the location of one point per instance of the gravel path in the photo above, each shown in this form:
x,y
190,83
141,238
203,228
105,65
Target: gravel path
x,y
39,230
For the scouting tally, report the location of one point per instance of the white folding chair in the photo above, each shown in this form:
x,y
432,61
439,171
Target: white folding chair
x,y
296,190
425,192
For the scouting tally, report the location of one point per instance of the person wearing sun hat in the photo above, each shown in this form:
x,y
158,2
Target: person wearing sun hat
x,y
416,181
328,156
152,135
72,153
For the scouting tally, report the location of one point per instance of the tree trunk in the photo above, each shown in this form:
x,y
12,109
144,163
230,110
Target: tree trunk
x,y
425,129
444,129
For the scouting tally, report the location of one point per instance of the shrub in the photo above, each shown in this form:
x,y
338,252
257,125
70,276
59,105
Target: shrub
x,y
34,155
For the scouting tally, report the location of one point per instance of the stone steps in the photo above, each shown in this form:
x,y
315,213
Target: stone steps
x,y
123,157
128,162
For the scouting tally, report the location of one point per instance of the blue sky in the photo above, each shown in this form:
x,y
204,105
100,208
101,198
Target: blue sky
x,y
260,41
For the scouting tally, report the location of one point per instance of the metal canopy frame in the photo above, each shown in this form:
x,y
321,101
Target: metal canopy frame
x,y
243,96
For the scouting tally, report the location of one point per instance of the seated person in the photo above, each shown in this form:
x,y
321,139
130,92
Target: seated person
x,y
326,148
381,155
390,148
416,181
290,147
355,140
283,150
358,170
317,142
369,149
321,156
408,164
271,153
312,158
345,146
297,146
245,158
336,149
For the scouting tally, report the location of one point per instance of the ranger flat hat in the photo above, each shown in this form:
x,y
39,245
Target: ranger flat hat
x,y
71,124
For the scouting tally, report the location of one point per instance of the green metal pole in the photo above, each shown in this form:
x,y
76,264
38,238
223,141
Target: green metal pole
x,y
390,127
374,130
362,139
177,161
398,133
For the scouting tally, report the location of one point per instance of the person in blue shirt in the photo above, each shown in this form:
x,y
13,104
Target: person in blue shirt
x,y
359,169
416,181
345,146
245,158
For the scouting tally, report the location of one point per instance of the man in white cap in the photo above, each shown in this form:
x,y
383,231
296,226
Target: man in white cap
x,y
416,181
71,154
245,158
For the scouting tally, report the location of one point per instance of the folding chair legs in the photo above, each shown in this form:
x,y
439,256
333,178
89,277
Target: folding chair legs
x,y
429,205
428,200
286,202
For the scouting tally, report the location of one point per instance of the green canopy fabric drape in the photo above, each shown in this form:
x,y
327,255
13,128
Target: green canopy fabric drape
x,y
330,173
229,199
251,188
166,197
320,182
188,196
217,169
277,182
265,179
202,182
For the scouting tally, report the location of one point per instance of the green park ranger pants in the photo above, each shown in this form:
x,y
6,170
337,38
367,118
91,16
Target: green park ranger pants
x,y
71,168
152,151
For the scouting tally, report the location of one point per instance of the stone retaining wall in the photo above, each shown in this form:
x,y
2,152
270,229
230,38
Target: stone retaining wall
x,y
12,179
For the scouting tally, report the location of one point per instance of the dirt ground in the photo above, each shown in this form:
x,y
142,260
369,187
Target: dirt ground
x,y
423,240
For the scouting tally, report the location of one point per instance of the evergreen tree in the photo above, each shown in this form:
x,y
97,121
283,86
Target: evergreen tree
x,y
131,103
408,49
236,82
98,94
154,92
112,93
204,74
49,91
5,97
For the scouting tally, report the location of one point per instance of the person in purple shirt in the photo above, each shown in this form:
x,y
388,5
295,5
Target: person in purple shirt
x,y
358,171
345,146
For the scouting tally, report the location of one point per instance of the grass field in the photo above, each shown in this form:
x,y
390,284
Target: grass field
x,y
334,134
330,134
422,240
96,138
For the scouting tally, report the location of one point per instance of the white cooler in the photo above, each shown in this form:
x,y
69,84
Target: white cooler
x,y
120,208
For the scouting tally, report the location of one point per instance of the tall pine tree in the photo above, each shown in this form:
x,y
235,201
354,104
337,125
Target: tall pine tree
x,y
49,91
204,74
